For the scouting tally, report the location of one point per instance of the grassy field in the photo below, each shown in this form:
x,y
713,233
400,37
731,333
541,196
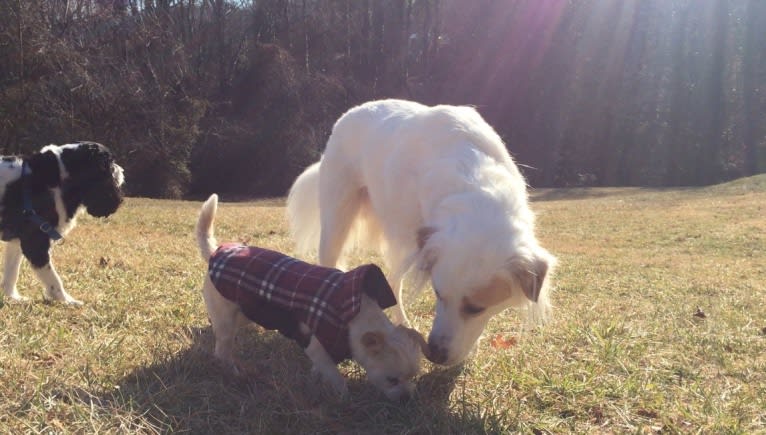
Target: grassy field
x,y
660,326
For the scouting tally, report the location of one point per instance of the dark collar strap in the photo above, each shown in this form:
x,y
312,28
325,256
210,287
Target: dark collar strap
x,y
29,211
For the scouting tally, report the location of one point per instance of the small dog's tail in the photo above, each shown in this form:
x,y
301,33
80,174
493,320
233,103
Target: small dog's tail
x,y
205,231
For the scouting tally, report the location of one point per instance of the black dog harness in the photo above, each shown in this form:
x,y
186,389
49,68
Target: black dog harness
x,y
30,213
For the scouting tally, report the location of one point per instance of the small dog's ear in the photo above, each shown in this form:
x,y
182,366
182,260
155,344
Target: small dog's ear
x,y
530,273
428,255
373,342
417,337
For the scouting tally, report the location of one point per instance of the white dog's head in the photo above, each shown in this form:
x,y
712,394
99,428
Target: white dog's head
x,y
476,278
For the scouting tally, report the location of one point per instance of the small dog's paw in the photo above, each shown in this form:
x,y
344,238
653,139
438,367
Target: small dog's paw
x,y
316,375
239,368
332,378
338,384
235,366
340,388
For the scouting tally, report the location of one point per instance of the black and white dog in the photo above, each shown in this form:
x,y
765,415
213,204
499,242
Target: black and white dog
x,y
40,197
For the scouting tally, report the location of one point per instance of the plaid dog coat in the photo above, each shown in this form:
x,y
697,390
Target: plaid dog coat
x,y
279,292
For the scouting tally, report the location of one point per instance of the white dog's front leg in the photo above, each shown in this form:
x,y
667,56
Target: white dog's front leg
x,y
54,288
11,270
399,317
326,367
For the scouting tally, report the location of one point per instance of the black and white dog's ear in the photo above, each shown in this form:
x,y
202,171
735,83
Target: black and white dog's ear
x,y
102,198
87,157
93,177
45,169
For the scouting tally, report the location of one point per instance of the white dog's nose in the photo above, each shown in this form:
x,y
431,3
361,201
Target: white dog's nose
x,y
437,353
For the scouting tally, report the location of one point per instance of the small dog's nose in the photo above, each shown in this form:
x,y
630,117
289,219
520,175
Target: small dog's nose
x,y
437,354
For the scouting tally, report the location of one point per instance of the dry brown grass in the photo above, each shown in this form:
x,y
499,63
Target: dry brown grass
x,y
625,352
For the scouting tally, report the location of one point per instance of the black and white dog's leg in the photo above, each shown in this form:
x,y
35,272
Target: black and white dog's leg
x,y
37,251
54,288
11,268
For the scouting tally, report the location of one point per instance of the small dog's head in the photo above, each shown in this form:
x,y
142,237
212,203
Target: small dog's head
x,y
391,359
91,169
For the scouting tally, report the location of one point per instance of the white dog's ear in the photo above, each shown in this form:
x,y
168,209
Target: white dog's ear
x,y
427,254
530,273
373,342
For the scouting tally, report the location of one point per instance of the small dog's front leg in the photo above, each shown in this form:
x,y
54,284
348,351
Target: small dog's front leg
x,y
325,367
54,288
225,317
11,271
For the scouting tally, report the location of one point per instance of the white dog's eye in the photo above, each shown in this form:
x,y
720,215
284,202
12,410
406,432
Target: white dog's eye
x,y
472,310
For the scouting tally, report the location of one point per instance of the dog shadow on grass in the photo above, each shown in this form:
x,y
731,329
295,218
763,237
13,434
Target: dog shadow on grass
x,y
190,391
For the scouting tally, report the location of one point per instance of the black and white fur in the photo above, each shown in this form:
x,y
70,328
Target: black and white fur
x,y
60,182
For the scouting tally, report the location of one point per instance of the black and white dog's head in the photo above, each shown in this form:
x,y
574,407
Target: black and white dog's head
x,y
89,171
57,182
86,173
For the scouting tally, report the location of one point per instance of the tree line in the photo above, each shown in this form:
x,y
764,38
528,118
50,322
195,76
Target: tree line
x,y
238,97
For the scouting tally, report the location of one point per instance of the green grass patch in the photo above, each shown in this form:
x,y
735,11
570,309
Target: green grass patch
x,y
660,326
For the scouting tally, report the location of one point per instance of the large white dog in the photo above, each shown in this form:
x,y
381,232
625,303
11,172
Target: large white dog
x,y
436,187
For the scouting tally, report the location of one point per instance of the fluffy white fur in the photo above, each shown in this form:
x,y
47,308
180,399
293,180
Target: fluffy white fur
x,y
389,354
437,190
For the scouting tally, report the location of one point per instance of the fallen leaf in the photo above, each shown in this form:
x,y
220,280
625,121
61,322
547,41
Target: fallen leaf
x,y
648,413
500,342
699,313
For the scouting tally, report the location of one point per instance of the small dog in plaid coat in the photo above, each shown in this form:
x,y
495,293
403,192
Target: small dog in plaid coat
x,y
333,315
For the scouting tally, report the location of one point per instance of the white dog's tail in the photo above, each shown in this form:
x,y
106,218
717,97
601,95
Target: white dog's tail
x,y
205,231
303,210
304,218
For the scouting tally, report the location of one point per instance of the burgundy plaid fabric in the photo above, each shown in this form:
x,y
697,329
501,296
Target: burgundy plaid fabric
x,y
279,292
